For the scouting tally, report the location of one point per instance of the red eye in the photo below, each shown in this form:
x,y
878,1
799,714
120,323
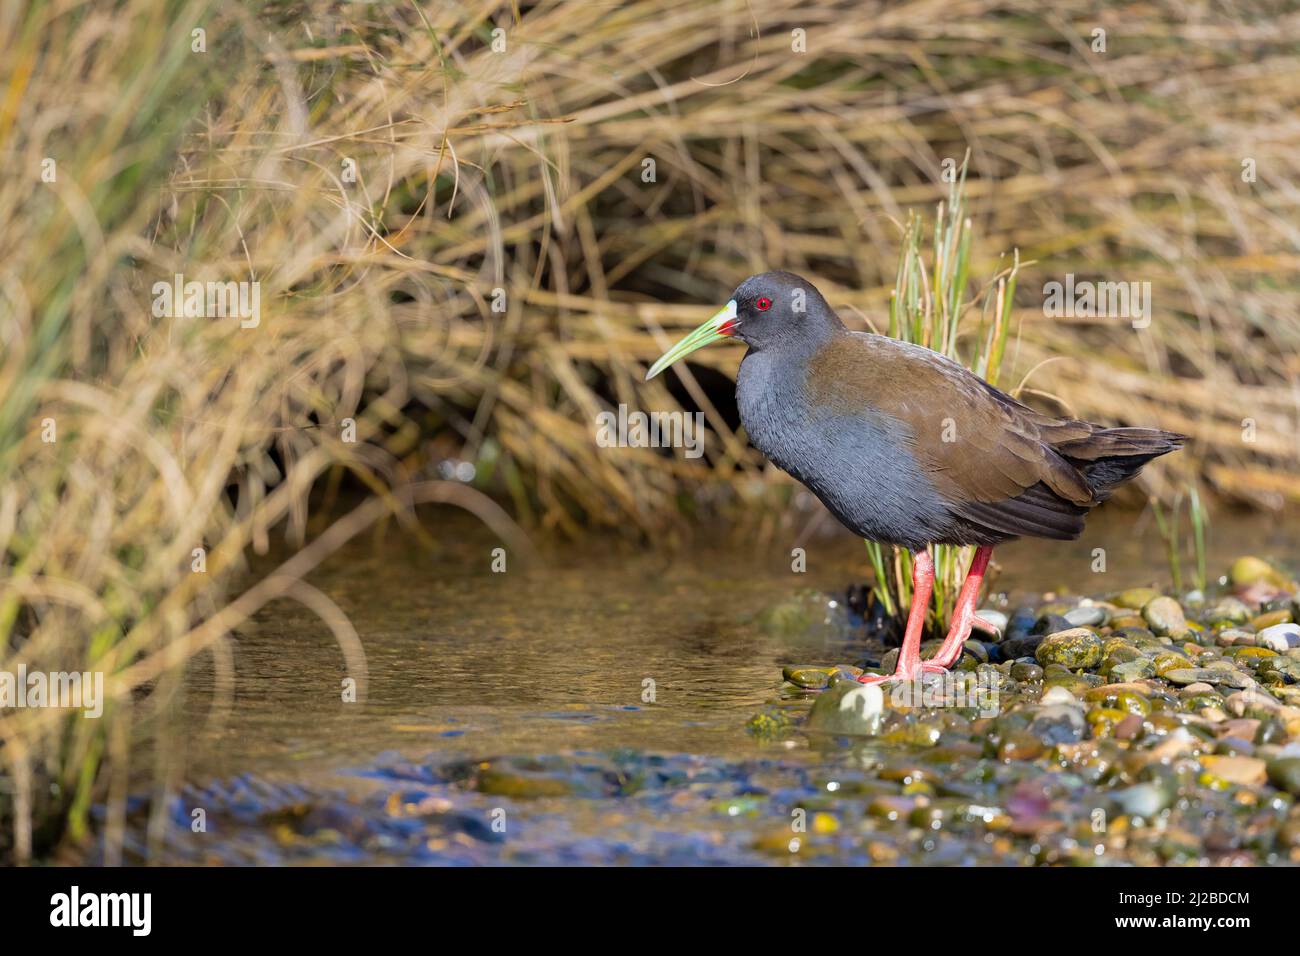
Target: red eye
x,y
763,304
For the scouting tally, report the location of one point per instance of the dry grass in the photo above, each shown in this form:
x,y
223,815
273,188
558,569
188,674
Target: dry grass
x,y
521,170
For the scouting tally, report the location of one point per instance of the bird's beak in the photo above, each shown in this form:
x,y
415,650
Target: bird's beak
x,y
722,325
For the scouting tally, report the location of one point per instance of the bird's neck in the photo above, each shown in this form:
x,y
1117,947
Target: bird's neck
x,y
770,392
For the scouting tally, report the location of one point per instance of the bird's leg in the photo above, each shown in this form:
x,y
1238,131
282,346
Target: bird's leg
x,y
963,615
909,655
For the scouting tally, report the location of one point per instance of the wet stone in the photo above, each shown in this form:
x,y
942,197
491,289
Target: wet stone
x,y
1244,771
1280,637
1233,637
1248,657
1026,672
1058,724
1165,617
1135,598
851,709
813,677
1128,622
1208,675
1278,670
1145,800
1229,610
1128,729
1285,774
1167,661
1249,570
1271,619
1050,624
1086,616
1058,695
771,721
1133,670
1074,649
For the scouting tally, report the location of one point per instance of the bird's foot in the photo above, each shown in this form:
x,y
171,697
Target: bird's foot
x,y
905,674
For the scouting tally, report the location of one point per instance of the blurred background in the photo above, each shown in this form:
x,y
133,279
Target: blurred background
x,y
474,225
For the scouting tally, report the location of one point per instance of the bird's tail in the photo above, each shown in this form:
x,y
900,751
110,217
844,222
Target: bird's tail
x,y
1111,456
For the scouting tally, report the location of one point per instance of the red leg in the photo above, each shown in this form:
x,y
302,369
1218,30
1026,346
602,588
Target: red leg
x,y
909,655
963,615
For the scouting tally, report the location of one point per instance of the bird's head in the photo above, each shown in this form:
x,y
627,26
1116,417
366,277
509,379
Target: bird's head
x,y
767,310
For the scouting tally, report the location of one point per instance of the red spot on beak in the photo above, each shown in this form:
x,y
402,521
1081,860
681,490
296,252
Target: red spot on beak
x,y
728,327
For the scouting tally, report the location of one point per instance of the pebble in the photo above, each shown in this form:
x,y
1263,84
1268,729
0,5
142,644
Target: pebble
x,y
1051,624
849,709
1086,616
1244,771
1058,695
1271,619
1182,711
1144,800
1209,675
1230,610
1165,617
1026,672
1074,649
1135,598
1233,636
1133,670
1285,774
811,677
1279,637
1249,570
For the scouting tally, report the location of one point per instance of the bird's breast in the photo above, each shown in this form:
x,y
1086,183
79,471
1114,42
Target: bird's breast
x,y
860,465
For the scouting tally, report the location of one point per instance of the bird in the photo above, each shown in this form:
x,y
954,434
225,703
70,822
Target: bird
x,y
905,446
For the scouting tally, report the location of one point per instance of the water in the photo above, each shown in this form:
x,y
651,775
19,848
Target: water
x,y
645,665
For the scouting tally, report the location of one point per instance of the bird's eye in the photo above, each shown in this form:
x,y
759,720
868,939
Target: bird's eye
x,y
763,304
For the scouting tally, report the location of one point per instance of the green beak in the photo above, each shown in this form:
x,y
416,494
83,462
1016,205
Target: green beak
x,y
717,328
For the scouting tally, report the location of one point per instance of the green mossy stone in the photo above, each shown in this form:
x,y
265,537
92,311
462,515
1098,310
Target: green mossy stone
x,y
770,722
818,676
1075,649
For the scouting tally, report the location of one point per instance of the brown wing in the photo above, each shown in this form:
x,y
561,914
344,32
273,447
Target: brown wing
x,y
999,464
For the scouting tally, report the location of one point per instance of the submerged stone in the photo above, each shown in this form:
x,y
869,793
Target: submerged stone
x,y
817,677
850,709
